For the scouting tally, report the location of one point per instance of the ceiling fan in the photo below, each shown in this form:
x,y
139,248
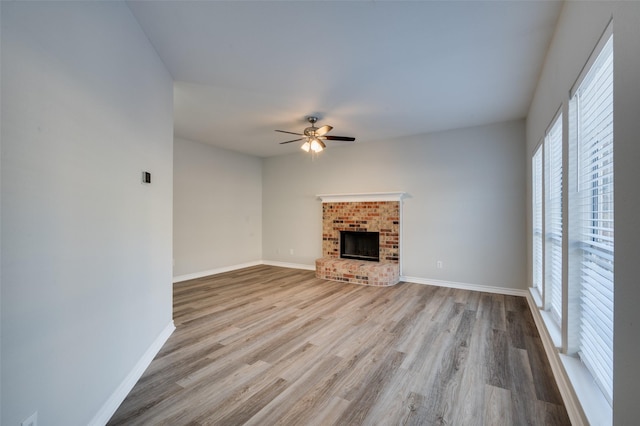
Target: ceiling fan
x,y
314,136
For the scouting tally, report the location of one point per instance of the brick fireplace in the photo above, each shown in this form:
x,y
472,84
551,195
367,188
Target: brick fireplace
x,y
377,212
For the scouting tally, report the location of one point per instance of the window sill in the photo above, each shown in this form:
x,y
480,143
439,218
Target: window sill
x,y
537,298
595,406
553,328
575,375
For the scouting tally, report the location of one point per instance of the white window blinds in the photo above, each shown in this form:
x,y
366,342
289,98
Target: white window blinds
x,y
593,102
536,170
553,220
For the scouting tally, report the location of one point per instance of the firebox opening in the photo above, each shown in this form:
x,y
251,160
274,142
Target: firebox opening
x,y
360,245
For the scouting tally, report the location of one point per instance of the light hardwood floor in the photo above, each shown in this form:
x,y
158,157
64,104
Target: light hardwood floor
x,y
276,346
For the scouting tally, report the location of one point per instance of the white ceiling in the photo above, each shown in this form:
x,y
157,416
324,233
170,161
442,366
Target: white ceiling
x,y
375,70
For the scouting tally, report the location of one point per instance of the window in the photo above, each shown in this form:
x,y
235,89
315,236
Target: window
x,y
553,220
592,205
536,169
573,233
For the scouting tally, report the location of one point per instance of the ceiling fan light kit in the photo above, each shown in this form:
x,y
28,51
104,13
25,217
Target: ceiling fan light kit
x,y
314,144
314,136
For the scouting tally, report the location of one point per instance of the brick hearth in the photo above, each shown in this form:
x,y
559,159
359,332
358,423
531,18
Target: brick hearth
x,y
357,271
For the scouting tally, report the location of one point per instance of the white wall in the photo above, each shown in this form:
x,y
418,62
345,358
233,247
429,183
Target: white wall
x,y
217,213
0,230
466,202
579,27
86,260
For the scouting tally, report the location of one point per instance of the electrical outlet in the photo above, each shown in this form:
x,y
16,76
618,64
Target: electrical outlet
x,y
32,420
439,264
290,251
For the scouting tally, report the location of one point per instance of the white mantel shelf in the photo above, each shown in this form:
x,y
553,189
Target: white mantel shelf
x,y
369,196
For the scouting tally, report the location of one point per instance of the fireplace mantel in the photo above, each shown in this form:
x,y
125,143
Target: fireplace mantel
x,y
362,197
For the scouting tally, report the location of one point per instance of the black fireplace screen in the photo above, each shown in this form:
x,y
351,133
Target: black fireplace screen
x,y
360,245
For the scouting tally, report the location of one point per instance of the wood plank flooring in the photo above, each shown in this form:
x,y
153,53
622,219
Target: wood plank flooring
x,y
276,346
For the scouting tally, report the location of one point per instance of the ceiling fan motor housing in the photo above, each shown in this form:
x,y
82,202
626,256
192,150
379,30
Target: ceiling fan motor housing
x,y
311,131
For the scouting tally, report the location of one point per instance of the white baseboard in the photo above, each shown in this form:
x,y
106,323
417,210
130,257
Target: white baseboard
x,y
215,271
466,286
416,280
111,405
230,268
569,397
289,265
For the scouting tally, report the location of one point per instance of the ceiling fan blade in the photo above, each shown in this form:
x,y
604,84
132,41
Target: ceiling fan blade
x,y
339,138
295,140
291,133
323,130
